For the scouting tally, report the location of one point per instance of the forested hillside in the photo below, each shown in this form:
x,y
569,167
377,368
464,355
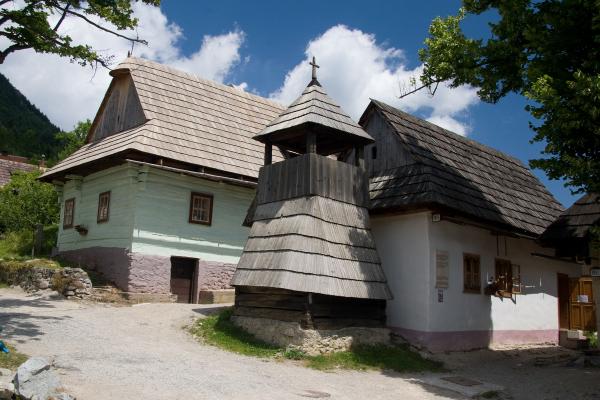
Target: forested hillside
x,y
24,130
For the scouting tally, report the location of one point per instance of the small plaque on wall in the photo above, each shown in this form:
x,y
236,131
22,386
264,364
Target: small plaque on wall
x,y
440,295
442,269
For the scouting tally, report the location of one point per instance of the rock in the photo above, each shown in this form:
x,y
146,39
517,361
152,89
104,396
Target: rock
x,y
62,396
6,372
69,293
7,389
34,380
43,285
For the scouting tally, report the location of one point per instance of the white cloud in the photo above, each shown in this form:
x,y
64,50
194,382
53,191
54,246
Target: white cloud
x,y
215,58
354,68
68,93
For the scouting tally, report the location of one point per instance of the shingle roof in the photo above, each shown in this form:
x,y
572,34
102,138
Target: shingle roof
x,y
8,166
190,119
315,109
576,221
454,172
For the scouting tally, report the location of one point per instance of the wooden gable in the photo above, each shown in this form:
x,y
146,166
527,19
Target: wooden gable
x,y
120,110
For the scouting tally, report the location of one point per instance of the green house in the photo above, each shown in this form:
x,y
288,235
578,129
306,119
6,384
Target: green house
x,y
156,197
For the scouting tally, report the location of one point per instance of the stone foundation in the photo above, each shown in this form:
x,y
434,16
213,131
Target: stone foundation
x,y
311,341
148,275
214,275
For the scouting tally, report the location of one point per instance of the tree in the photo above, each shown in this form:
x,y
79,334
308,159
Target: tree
x,y
35,25
547,51
73,140
26,202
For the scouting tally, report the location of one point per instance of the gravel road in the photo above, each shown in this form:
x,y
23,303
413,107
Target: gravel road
x,y
143,352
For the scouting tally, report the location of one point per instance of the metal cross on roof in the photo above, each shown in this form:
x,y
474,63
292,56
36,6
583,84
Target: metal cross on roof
x,y
314,68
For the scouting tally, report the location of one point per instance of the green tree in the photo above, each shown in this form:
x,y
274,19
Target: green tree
x,y
547,51
35,24
73,140
26,202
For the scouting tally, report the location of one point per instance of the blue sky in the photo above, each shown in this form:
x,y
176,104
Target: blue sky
x,y
278,32
367,49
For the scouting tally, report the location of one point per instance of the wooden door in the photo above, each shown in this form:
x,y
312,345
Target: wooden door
x,y
563,301
581,307
182,278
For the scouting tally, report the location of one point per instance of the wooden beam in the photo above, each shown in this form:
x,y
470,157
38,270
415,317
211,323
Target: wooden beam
x,y
311,143
268,153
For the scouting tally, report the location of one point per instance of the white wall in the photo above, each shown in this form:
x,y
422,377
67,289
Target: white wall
x,y
162,211
403,246
407,245
535,309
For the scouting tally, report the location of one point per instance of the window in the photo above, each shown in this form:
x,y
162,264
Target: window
x,y
504,277
374,152
69,213
472,273
103,207
201,208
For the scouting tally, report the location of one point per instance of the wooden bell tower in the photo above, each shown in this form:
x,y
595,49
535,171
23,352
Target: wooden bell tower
x,y
310,256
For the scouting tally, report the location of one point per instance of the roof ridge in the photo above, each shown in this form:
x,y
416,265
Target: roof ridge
x,y
189,75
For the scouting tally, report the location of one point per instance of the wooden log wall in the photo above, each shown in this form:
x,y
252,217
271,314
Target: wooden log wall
x,y
313,311
313,174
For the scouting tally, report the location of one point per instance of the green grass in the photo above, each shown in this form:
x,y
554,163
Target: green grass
x,y
218,330
4,285
13,359
396,358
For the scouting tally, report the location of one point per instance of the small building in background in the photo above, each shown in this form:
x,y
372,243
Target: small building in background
x,y
10,163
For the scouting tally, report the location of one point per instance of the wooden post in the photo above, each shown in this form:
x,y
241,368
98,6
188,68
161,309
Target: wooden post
x,y
359,157
311,143
268,153
38,239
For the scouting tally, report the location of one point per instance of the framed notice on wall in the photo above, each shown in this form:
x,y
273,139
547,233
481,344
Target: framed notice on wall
x,y
442,269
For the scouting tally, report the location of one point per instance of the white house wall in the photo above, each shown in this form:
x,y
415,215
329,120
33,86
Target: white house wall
x,y
402,244
460,320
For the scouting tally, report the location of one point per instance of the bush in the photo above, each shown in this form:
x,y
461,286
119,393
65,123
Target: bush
x,y
19,243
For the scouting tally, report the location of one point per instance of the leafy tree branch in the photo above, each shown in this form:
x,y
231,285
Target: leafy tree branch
x,y
29,26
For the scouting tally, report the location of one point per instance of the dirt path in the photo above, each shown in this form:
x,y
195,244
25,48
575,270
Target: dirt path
x,y
142,352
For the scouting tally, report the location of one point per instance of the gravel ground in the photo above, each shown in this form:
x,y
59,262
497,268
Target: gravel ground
x,y
143,352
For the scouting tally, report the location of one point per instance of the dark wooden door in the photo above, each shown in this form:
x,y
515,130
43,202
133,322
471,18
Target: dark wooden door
x,y
563,301
582,309
182,278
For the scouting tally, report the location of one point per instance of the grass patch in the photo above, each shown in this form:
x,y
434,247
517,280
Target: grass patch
x,y
13,359
395,358
17,245
218,330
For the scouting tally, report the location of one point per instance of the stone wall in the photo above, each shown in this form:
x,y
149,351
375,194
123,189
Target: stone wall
x,y
214,275
149,274
70,282
311,341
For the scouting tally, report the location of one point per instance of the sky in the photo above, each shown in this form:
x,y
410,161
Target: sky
x,y
364,49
